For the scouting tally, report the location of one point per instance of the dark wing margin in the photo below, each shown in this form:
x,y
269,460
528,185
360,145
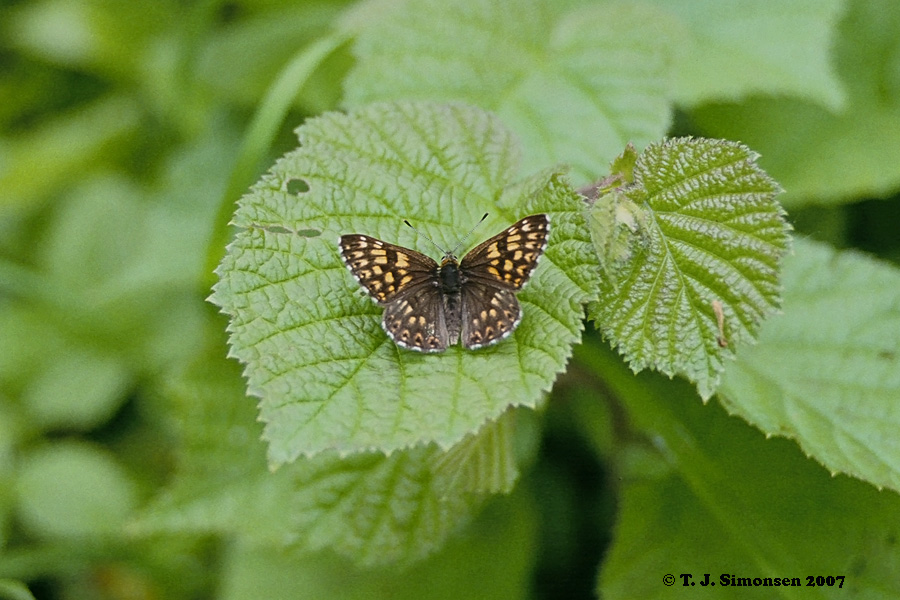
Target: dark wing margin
x,y
386,271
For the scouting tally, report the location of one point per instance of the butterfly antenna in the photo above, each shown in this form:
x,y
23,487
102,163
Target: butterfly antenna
x,y
465,237
424,236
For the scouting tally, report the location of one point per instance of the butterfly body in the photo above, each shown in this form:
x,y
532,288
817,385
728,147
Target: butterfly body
x,y
451,283
431,306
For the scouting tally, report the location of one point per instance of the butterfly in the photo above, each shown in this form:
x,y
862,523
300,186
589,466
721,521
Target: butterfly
x,y
429,306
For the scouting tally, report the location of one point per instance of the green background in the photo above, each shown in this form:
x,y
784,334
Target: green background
x,y
128,129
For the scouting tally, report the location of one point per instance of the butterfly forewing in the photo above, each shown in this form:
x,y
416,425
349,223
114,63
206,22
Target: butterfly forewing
x,y
508,258
385,270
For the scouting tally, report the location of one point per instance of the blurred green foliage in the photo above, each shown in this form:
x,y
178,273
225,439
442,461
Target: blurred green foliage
x,y
121,125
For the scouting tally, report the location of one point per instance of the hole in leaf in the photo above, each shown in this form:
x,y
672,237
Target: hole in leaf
x,y
297,186
277,229
281,229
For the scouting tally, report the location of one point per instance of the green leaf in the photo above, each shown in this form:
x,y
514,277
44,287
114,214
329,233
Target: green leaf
x,y
28,338
120,269
51,156
371,508
491,560
614,220
732,48
78,389
14,590
712,236
482,463
328,377
242,58
266,122
575,83
827,372
806,524
823,157
733,502
71,489
87,36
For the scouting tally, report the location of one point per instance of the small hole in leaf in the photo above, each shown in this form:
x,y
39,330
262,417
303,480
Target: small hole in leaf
x,y
300,232
297,186
277,229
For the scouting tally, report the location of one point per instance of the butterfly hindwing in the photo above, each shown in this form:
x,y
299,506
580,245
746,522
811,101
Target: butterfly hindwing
x,y
489,314
417,322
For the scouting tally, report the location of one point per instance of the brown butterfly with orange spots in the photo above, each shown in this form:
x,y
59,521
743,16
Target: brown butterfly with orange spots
x,y
430,306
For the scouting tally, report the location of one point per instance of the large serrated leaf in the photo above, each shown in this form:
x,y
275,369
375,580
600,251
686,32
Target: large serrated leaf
x,y
576,83
827,372
371,508
328,377
712,237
